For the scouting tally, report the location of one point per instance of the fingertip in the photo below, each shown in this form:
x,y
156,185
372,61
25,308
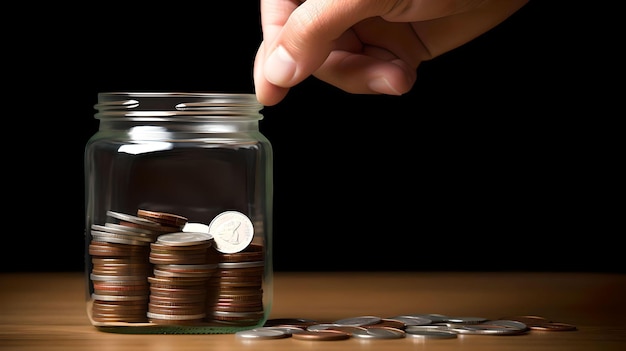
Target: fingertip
x,y
268,94
394,81
267,100
383,86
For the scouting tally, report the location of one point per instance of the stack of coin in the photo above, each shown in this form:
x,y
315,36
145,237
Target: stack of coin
x,y
164,254
181,271
120,267
119,252
119,280
119,299
235,295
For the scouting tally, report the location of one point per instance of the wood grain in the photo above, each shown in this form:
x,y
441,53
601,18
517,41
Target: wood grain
x,y
47,311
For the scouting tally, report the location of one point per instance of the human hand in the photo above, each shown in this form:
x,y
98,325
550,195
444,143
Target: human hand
x,y
363,46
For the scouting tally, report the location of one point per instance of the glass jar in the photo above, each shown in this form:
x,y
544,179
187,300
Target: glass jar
x,y
178,233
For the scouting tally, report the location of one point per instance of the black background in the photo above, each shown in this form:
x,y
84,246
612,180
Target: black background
x,y
502,157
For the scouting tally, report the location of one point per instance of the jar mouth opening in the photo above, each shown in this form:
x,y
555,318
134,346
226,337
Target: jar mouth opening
x,y
169,104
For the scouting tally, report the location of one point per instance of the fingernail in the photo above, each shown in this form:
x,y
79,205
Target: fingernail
x,y
381,85
280,67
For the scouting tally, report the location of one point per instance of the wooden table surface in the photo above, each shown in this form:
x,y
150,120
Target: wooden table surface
x,y
47,311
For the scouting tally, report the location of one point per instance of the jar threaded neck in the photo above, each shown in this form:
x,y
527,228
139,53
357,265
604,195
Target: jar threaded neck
x,y
146,106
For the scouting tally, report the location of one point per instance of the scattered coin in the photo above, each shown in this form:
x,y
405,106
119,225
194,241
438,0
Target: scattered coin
x,y
285,329
372,327
321,335
389,323
434,317
430,334
492,327
324,326
262,334
464,320
543,324
412,320
379,333
358,321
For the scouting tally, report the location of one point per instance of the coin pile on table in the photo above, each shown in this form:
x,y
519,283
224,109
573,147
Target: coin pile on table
x,y
421,326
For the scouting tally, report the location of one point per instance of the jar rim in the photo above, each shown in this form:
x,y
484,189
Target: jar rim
x,y
168,104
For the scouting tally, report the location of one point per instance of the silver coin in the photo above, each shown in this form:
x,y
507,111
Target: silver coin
x,y
412,320
436,327
262,333
434,317
322,326
126,236
127,228
379,333
244,264
116,239
232,231
184,238
358,321
118,229
351,329
175,317
196,227
430,334
493,327
133,219
286,329
465,320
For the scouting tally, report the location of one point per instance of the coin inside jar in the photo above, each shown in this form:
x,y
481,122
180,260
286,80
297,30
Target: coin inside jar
x,y
184,238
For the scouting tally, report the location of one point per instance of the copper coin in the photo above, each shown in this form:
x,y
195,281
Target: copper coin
x,y
388,323
321,335
291,322
101,248
242,256
163,218
163,300
199,247
118,260
158,229
235,308
179,260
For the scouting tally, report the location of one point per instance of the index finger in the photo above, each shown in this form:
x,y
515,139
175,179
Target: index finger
x,y
274,15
